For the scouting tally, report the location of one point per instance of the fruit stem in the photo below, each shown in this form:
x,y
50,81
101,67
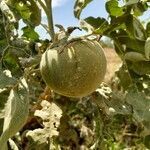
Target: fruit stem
x,y
47,7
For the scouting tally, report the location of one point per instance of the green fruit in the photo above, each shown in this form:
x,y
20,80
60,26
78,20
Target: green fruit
x,y
75,72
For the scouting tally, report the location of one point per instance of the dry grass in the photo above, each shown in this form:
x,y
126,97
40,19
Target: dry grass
x,y
113,62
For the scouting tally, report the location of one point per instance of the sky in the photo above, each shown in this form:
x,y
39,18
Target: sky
x,y
63,14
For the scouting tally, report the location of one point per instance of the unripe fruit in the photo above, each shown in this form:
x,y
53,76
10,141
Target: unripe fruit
x,y
75,72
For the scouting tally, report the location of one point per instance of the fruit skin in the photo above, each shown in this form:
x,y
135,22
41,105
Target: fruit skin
x,y
75,72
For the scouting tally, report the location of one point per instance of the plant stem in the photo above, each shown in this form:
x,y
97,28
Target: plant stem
x,y
48,11
50,18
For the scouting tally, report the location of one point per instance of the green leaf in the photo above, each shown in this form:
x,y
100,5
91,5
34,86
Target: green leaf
x,y
140,104
131,2
3,40
3,44
5,80
7,12
96,22
1,125
85,26
4,93
113,9
147,141
135,56
147,48
28,10
35,18
98,25
140,8
11,62
28,62
30,34
16,112
141,68
148,29
79,6
125,79
134,28
132,44
23,10
112,102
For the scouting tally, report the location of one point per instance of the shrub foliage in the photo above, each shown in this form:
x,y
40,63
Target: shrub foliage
x,y
115,116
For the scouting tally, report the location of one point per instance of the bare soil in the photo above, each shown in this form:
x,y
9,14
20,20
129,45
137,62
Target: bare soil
x,y
113,63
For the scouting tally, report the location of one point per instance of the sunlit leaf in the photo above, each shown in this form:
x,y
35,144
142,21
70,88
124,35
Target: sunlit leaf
x,y
37,139
7,12
30,34
16,112
113,9
50,114
79,6
85,26
28,10
23,10
98,25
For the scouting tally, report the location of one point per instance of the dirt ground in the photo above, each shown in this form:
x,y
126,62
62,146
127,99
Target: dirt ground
x,y
113,62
